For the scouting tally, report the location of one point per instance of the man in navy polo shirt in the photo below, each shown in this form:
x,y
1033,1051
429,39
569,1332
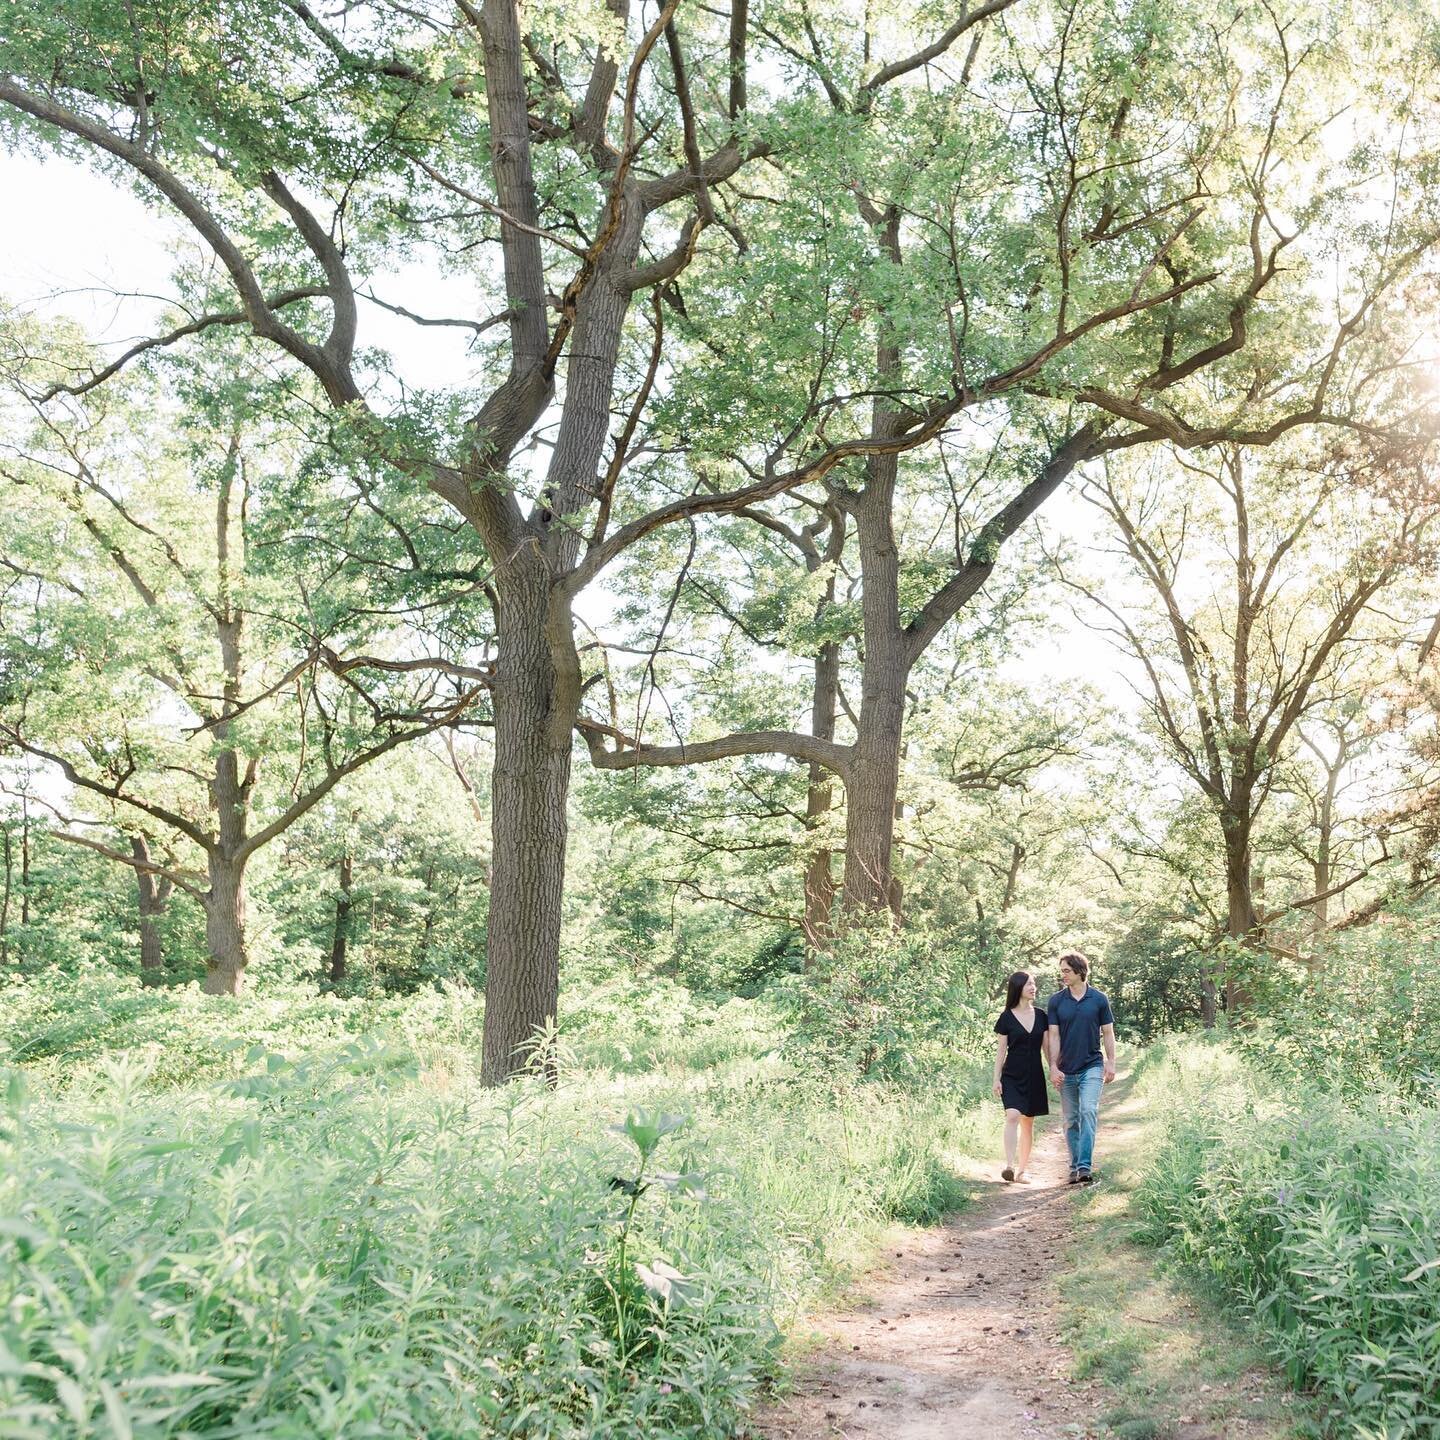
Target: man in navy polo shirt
x,y
1080,1024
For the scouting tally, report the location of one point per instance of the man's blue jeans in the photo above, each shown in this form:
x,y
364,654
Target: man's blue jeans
x,y
1080,1104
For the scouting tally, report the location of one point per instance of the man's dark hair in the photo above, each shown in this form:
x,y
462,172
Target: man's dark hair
x,y
1077,962
1014,986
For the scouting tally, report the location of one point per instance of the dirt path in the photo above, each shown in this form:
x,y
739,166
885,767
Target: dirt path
x,y
957,1337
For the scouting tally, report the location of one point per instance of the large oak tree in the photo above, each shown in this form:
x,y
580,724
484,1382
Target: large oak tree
x,y
1073,207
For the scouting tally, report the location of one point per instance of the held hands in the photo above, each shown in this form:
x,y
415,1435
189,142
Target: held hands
x,y
1109,1072
1056,1078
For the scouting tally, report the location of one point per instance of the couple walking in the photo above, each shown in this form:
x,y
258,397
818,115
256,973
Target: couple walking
x,y
1075,1032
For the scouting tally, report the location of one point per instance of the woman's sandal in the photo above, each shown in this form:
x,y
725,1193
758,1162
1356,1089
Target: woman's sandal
x,y
1007,1174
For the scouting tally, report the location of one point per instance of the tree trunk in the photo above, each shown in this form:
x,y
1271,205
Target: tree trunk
x,y
536,700
873,785
1324,843
1241,921
1012,877
1239,886
226,957
536,689
344,903
5,897
819,798
427,931
230,791
874,782
153,893
870,882
24,861
1321,908
1209,1002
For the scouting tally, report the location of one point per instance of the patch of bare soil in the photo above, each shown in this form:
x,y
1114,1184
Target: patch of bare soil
x,y
958,1336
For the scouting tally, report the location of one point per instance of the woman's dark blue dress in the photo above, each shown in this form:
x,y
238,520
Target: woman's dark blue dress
x,y
1022,1080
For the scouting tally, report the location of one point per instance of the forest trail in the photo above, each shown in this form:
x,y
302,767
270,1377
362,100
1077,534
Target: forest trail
x,y
959,1333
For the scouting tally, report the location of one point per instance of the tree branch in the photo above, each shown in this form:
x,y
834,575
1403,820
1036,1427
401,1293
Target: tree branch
x,y
338,384
205,322
946,602
147,867
110,792
629,754
893,71
337,773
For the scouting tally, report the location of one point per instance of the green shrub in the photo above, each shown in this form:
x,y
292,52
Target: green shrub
x,y
887,1004
1366,1013
1323,1219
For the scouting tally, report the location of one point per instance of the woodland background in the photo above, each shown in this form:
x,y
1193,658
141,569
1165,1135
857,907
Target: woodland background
x,y
905,493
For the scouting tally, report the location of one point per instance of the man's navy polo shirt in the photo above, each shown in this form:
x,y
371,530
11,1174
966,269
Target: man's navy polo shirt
x,y
1078,1023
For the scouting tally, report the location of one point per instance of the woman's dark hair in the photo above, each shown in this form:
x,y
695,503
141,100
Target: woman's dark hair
x,y
1014,987
1077,962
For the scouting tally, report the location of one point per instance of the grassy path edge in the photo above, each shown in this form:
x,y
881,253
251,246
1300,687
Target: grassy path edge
x,y
1172,1363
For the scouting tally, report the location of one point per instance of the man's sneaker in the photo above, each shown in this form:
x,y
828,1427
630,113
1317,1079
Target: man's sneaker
x,y
1074,1178
1085,1177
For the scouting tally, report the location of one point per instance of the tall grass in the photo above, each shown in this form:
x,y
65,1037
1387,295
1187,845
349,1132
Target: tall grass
x,y
1322,1217
351,1237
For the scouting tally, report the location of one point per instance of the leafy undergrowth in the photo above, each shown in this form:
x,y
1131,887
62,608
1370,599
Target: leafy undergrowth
x,y
345,1234
1322,1218
1358,1020
57,1023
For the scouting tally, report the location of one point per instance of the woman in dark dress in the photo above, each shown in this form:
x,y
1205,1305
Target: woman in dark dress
x,y
1019,1072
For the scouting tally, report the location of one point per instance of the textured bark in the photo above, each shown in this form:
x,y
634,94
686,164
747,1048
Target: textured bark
x,y
153,894
506,105
870,796
1320,916
1209,1002
228,853
873,785
226,957
1239,886
819,798
1242,923
536,690
536,700
344,905
536,694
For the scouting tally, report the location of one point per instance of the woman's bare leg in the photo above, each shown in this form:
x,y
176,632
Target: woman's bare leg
x,y
1025,1142
1012,1125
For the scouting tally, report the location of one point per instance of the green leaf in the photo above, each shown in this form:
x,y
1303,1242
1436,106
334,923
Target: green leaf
x,y
115,1412
665,1283
72,1397
646,1130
